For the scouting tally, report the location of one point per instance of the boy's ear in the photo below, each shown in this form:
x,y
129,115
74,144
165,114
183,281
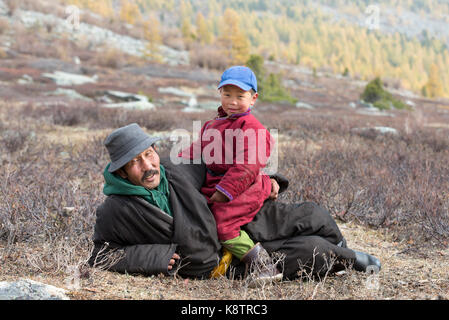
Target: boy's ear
x,y
254,98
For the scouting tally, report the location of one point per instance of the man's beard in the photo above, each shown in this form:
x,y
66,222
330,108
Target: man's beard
x,y
149,173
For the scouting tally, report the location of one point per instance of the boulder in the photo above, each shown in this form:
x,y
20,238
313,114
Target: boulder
x,y
26,289
127,100
69,93
375,130
135,105
69,79
304,105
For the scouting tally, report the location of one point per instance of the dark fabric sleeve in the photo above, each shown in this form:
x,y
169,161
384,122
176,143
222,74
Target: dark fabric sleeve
x,y
281,180
143,240
147,259
194,173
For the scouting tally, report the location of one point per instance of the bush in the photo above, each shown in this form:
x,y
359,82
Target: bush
x,y
207,56
270,87
375,93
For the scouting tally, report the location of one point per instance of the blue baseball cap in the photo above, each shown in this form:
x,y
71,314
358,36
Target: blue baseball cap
x,y
242,77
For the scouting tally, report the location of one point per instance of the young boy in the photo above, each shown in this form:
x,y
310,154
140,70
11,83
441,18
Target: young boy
x,y
235,146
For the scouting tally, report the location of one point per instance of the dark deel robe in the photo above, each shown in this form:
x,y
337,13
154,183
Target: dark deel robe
x,y
306,233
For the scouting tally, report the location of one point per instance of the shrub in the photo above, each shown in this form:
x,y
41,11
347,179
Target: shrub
x,y
208,56
270,87
375,93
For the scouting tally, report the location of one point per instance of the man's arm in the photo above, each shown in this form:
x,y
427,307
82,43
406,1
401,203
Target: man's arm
x,y
141,238
148,259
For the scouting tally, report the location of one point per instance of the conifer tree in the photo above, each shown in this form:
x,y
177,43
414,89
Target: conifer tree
x,y
153,36
130,12
233,40
204,34
433,88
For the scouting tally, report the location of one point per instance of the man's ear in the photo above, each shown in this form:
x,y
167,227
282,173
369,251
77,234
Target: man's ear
x,y
154,147
122,173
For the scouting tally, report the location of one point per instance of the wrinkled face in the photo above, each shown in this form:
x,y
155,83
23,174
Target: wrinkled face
x,y
235,100
143,170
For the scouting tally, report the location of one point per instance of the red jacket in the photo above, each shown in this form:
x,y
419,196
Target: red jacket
x,y
234,149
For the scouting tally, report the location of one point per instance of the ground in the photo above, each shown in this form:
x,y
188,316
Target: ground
x,y
403,276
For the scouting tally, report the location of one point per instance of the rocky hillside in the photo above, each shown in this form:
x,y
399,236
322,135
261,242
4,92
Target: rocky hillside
x,y
46,60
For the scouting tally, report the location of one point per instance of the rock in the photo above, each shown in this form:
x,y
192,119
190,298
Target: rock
x,y
50,64
129,101
304,105
98,36
27,289
369,109
26,79
193,103
126,96
161,71
410,103
137,105
3,8
175,91
69,79
375,112
366,105
201,106
189,109
68,210
209,105
69,93
381,130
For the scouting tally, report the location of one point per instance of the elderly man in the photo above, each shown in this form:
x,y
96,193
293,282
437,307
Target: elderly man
x,y
156,214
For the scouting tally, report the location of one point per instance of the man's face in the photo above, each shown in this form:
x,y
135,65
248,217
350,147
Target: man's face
x,y
143,170
234,100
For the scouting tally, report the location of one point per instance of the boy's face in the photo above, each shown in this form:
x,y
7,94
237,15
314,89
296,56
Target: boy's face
x,y
235,100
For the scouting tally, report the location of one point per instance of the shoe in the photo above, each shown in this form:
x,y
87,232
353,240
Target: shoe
x,y
260,267
342,243
365,262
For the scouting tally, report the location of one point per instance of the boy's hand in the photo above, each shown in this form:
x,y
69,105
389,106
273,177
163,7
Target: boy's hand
x,y
274,189
218,197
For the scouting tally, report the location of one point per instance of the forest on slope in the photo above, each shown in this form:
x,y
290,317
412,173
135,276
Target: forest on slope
x,y
404,42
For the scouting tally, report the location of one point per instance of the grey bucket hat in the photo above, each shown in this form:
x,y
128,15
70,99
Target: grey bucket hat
x,y
125,143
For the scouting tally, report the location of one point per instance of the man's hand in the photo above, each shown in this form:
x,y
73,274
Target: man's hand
x,y
173,260
218,197
274,189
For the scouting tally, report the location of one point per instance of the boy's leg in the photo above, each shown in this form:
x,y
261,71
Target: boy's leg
x,y
258,262
239,245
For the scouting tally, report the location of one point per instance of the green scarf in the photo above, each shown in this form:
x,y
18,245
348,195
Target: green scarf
x,y
114,184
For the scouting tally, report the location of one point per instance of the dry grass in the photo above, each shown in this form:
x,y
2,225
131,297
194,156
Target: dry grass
x,y
403,276
52,184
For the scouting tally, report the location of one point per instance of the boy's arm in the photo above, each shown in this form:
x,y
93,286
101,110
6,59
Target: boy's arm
x,y
241,175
